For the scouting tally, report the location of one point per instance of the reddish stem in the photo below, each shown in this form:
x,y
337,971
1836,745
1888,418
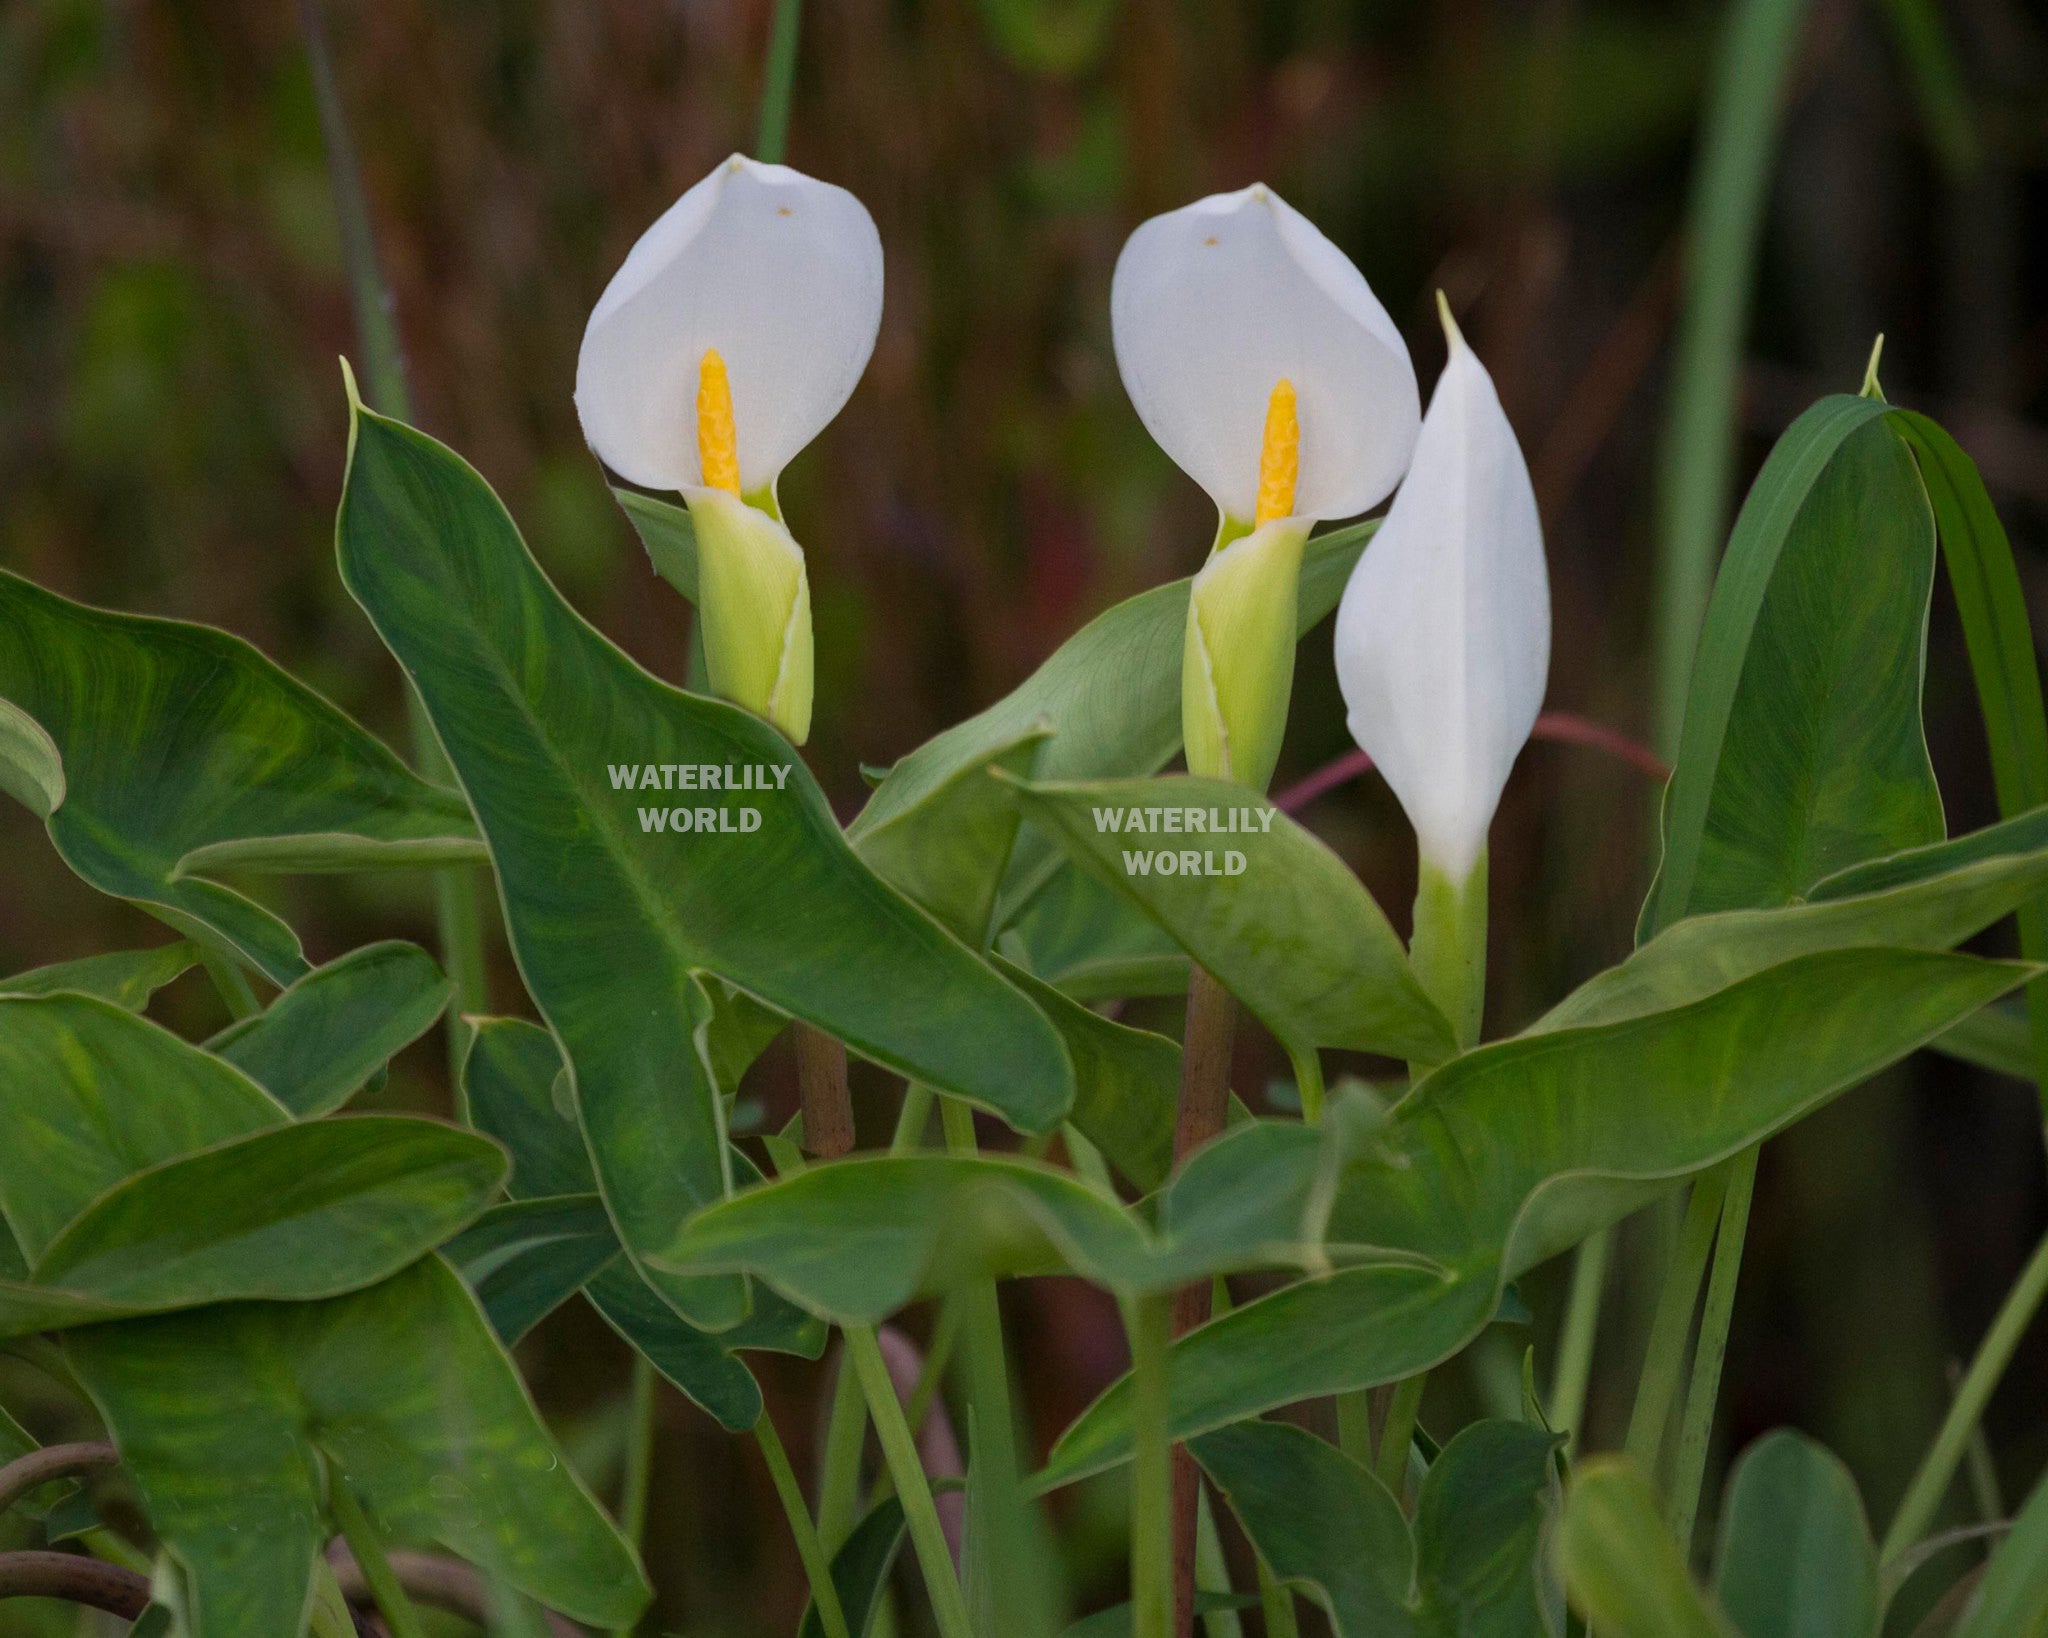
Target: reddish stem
x,y
1560,727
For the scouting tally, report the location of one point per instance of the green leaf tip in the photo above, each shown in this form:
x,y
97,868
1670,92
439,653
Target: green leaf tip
x,y
1870,387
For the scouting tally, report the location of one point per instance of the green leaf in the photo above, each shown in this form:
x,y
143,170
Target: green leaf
x,y
1992,607
947,847
1323,1523
1126,1082
860,1569
854,1240
1798,756
329,1032
1796,1559
1927,899
1518,1150
128,978
613,924
509,1077
90,1095
525,1258
31,768
2013,1600
403,1390
1623,1571
292,1213
178,737
1293,934
1479,1527
1092,942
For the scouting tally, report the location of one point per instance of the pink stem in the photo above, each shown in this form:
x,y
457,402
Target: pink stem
x,y
1560,727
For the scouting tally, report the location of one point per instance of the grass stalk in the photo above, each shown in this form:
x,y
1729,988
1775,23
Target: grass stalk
x,y
1696,1428
1664,1362
1938,1467
1574,1375
913,1489
771,135
817,1562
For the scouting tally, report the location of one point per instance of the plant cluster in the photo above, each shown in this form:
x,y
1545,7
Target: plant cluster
x,y
294,1321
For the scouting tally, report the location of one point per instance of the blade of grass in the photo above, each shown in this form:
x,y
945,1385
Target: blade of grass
x,y
771,138
1704,1391
458,904
1730,186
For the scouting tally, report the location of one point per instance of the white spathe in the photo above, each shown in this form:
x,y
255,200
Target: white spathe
x,y
779,272
1213,304
1443,636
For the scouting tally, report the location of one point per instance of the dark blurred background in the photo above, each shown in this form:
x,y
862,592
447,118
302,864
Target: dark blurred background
x,y
172,303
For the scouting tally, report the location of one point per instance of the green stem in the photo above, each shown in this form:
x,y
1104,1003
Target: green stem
x,y
1354,1426
846,1432
1447,949
1308,1079
1150,1322
912,1118
913,1489
999,1501
817,1564
1399,1433
1575,1345
1276,1603
1730,188
771,137
229,979
367,1544
639,1476
1665,1360
1212,1570
1704,1391
1930,1484
936,1358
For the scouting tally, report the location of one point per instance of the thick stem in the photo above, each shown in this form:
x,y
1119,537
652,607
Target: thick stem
x,y
1399,1434
39,1467
1153,1594
1204,1105
1575,1344
1937,1469
1665,1360
366,1542
921,1514
1701,1395
1448,948
440,1583
817,1563
821,1083
77,1580
1276,1604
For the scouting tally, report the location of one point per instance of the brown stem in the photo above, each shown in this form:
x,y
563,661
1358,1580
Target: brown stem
x,y
77,1580
428,1578
39,1467
821,1083
1204,1105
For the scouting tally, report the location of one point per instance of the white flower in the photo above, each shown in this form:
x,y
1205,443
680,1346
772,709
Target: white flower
x,y
776,272
1443,636
1213,306
734,332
